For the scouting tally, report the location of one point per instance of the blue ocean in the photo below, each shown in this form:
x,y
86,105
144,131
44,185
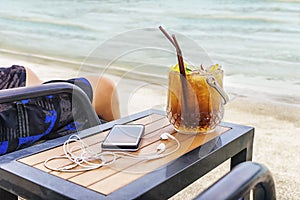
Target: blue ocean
x,y
257,42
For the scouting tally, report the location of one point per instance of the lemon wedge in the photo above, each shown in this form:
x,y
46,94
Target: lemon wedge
x,y
188,69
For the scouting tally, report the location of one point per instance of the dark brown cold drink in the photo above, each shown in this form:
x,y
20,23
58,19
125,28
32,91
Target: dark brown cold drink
x,y
194,106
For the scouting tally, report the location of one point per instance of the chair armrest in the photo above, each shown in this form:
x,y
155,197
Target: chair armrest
x,y
78,95
240,181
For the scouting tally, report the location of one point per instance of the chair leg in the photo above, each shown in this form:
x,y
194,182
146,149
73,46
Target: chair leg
x,y
243,156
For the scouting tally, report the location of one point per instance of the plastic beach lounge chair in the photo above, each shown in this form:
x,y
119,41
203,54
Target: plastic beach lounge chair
x,y
238,183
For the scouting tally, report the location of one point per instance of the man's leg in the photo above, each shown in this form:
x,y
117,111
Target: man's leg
x,y
105,100
32,78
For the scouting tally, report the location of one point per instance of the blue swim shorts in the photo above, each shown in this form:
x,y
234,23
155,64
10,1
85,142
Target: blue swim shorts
x,y
24,122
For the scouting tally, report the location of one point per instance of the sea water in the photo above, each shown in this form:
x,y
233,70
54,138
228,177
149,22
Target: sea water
x,y
257,42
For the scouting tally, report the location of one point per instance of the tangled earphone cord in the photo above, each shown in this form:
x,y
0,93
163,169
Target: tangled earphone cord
x,y
86,155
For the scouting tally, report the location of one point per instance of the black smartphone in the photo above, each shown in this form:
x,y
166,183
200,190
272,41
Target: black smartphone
x,y
125,137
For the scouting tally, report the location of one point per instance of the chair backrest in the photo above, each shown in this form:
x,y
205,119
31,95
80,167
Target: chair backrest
x,y
16,94
240,181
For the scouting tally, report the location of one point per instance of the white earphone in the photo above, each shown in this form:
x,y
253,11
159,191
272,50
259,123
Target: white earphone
x,y
161,147
87,155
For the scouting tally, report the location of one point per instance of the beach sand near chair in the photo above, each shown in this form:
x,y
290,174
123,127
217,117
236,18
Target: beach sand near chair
x,y
277,125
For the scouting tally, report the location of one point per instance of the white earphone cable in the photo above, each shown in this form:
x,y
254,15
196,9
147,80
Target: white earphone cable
x,y
86,155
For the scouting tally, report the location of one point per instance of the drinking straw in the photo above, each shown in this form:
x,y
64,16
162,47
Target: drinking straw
x,y
183,77
167,35
173,40
178,50
179,57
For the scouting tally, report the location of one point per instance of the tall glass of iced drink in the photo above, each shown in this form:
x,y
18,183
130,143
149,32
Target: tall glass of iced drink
x,y
196,101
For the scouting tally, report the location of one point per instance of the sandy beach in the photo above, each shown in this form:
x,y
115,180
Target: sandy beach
x,y
277,125
256,42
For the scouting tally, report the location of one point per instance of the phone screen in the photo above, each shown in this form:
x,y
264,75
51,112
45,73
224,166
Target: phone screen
x,y
124,137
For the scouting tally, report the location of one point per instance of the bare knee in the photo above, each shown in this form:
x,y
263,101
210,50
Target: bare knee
x,y
31,77
105,101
